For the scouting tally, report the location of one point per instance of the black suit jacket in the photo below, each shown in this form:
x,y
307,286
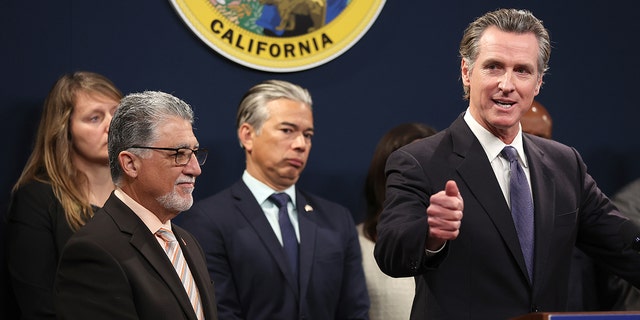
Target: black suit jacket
x,y
37,230
481,274
114,268
248,265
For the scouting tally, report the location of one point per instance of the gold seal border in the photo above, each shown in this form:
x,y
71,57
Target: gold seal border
x,y
294,53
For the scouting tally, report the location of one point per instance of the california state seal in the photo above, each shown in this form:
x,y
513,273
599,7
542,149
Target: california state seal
x,y
279,35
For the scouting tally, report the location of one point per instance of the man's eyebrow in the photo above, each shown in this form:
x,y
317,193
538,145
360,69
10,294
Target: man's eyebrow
x,y
288,124
295,126
492,61
188,146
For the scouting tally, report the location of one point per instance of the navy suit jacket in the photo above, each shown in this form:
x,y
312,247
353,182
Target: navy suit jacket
x,y
114,268
247,263
481,274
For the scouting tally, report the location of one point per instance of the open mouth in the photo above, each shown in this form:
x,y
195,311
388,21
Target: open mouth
x,y
504,104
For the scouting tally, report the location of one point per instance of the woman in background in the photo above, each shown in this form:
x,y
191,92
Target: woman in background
x,y
65,179
391,298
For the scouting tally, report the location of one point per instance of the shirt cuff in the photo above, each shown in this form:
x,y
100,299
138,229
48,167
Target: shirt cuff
x,y
431,253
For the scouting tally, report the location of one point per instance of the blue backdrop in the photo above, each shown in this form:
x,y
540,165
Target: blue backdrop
x,y
405,68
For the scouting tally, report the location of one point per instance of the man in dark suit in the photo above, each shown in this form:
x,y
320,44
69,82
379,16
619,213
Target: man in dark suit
x,y
490,264
116,266
313,270
591,288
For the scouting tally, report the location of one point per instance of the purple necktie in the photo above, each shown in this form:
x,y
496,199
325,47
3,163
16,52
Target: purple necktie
x,y
521,206
289,240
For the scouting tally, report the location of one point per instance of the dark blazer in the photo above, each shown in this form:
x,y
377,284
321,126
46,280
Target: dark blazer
x,y
247,262
37,230
114,268
481,274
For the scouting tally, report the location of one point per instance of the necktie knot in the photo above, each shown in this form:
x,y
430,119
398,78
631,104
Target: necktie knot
x,y
166,235
510,153
279,199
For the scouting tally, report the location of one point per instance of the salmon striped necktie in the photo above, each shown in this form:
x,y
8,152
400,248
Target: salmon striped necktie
x,y
172,248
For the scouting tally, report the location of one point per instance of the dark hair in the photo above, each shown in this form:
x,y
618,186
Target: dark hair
x,y
374,186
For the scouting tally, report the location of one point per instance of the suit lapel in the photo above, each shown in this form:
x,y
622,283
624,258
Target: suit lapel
x,y
308,227
145,242
543,187
477,174
252,212
200,276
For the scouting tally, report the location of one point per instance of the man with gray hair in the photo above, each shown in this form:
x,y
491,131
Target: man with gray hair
x,y
274,251
130,261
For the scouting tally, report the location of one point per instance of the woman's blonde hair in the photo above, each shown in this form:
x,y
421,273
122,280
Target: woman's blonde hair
x,y
50,160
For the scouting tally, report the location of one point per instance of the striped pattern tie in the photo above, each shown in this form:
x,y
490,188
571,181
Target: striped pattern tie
x,y
172,248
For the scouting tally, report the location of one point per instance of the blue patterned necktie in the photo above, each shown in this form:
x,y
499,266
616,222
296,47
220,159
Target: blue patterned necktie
x,y
289,240
521,206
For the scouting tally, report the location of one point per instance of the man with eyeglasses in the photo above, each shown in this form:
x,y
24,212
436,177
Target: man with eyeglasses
x,y
130,261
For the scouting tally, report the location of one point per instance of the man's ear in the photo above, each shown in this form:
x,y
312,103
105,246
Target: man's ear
x,y
129,163
538,85
464,72
246,136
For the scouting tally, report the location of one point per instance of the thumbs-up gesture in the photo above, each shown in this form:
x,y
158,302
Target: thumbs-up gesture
x,y
444,216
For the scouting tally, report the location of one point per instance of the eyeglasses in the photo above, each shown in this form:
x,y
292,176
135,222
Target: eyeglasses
x,y
182,155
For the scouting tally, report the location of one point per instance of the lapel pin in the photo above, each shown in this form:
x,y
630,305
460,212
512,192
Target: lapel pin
x,y
308,208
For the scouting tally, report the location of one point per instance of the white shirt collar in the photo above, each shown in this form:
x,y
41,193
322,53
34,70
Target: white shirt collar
x,y
262,192
491,144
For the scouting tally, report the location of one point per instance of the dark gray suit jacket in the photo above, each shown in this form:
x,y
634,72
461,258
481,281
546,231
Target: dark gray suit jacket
x,y
114,268
481,274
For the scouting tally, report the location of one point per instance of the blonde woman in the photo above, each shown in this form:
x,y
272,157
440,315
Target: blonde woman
x,y
65,180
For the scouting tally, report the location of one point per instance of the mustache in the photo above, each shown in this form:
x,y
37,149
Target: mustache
x,y
186,180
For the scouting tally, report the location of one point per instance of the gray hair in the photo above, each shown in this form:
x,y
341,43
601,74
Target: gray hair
x,y
136,120
253,106
508,20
